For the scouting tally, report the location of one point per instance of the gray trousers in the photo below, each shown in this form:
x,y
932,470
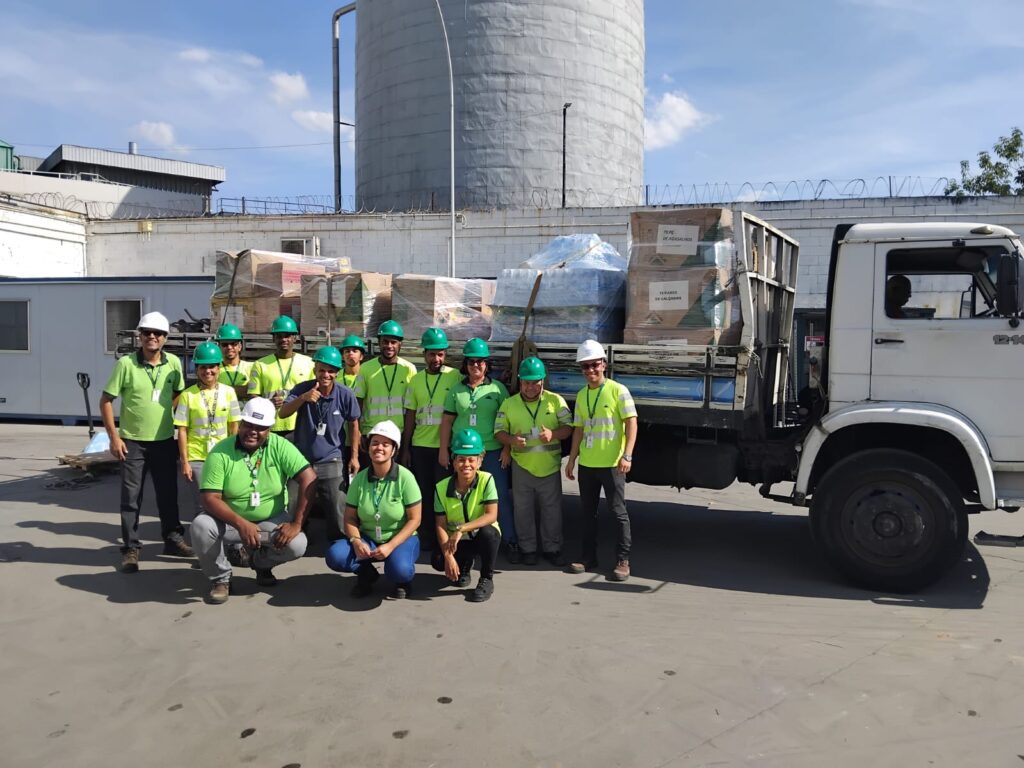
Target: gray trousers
x,y
159,459
197,497
210,535
537,497
329,496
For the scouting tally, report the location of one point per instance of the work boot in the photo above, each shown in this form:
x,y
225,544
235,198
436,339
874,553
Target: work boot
x,y
175,546
513,555
557,559
219,592
582,566
402,591
465,577
529,558
621,571
130,560
366,577
265,577
484,590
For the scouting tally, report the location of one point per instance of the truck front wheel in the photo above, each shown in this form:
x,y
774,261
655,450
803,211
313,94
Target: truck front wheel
x,y
889,519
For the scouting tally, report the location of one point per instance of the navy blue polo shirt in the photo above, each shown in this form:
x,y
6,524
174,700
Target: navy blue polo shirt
x,y
334,410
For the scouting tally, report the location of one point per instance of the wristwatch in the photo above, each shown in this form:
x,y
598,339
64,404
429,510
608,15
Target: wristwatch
x,y
628,457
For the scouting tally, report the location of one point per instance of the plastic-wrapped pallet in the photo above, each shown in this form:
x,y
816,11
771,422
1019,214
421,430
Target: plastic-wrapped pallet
x,y
460,307
581,296
682,287
253,274
354,302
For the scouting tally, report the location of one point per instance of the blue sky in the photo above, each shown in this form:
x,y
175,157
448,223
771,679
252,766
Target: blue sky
x,y
736,91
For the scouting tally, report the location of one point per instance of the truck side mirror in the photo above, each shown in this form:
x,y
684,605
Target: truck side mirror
x,y
1008,286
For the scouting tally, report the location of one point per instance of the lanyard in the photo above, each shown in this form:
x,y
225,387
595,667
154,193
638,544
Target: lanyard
x,y
211,408
472,395
430,392
233,375
536,410
349,379
320,407
254,468
153,373
597,401
377,498
384,375
284,376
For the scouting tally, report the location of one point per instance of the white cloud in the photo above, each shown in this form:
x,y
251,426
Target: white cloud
x,y
669,118
312,120
156,134
667,78
198,55
249,60
288,88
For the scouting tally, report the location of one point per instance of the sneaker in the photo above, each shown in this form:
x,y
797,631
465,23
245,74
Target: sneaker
x,y
238,556
484,590
513,555
366,576
529,558
219,592
557,559
582,566
465,577
130,560
402,591
265,577
175,546
621,571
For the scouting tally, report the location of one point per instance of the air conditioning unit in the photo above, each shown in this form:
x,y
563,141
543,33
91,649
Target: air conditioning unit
x,y
301,246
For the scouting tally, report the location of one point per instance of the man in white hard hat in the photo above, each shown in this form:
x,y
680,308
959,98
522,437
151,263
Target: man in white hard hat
x,y
603,439
245,498
148,383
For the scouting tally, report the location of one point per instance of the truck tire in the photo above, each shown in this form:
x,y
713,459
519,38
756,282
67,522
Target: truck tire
x,y
889,520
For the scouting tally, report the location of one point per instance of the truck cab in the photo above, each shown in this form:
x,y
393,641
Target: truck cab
x,y
919,421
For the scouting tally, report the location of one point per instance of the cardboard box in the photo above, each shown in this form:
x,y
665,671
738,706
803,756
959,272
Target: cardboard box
x,y
683,237
461,307
702,337
692,297
253,315
356,302
261,274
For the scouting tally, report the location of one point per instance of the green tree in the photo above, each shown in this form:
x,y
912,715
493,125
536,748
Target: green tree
x,y
1000,172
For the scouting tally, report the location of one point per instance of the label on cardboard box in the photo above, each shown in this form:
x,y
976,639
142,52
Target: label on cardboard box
x,y
678,239
669,295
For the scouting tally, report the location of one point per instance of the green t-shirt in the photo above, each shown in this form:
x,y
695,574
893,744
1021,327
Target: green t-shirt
x,y
381,503
458,511
425,395
194,411
236,475
382,390
476,408
147,395
518,417
237,376
601,413
270,374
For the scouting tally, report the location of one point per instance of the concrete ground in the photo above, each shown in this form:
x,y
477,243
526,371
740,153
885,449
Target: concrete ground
x,y
733,644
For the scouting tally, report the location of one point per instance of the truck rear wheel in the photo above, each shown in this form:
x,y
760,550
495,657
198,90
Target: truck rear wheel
x,y
889,519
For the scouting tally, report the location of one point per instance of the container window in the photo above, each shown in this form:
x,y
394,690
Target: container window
x,y
14,326
120,315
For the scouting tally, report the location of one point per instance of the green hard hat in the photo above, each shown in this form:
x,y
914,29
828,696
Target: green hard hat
x,y
391,328
434,338
532,369
229,332
467,442
328,356
352,341
284,324
476,348
207,353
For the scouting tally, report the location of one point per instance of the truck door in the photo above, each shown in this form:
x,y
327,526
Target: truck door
x,y
937,337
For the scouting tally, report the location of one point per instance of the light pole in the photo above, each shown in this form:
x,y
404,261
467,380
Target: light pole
x,y
335,24
565,108
451,137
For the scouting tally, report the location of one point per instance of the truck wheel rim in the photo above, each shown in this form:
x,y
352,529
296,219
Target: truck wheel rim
x,y
887,523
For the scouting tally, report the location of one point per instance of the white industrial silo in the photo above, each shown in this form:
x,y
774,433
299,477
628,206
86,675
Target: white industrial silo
x,y
516,62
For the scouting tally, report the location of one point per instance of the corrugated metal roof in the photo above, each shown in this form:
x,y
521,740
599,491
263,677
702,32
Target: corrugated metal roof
x,y
74,154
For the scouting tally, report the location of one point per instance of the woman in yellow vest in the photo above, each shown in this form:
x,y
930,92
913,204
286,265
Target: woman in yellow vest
x,y
207,412
466,517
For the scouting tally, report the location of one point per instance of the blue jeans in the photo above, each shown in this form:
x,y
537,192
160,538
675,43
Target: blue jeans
x,y
506,514
399,566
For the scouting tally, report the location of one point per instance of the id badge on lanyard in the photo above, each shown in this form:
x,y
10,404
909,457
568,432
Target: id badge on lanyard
x,y
590,441
472,419
254,499
156,395
321,429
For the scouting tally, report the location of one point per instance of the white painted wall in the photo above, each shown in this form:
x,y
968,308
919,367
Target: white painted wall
x,y
38,243
98,199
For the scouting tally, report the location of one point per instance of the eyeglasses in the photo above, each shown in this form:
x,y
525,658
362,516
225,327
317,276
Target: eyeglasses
x,y
476,361
231,343
591,366
150,332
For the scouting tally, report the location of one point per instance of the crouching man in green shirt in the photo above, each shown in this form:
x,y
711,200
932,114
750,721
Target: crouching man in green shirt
x,y
245,499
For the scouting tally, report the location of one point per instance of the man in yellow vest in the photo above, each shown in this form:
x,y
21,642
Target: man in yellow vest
x,y
533,424
274,376
235,371
603,439
380,386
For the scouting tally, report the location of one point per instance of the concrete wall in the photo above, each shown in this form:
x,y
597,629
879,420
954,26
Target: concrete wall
x,y
35,242
491,240
98,199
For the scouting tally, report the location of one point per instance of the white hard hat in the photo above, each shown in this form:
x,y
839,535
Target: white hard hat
x,y
259,411
155,321
389,430
589,350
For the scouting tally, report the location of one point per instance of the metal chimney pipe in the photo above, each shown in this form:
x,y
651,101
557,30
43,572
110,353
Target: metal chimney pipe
x,y
133,148
337,104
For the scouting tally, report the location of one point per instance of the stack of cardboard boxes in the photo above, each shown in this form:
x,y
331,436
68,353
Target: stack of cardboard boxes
x,y
460,307
352,303
681,286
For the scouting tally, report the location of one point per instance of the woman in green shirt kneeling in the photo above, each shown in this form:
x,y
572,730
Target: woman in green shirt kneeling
x,y
382,513
466,515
